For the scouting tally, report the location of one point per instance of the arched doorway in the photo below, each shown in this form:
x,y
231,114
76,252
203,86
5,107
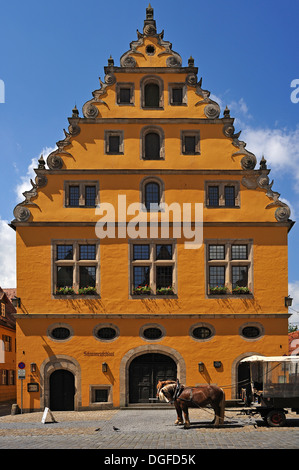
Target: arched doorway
x,y
144,373
62,390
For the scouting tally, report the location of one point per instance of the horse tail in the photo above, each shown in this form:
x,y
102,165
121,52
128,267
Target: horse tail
x,y
222,407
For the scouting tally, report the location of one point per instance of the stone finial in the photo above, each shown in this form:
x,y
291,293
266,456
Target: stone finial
x,y
149,12
263,163
75,112
190,61
110,62
41,163
226,112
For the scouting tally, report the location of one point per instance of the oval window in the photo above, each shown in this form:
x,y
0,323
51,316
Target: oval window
x,y
152,333
251,332
60,332
106,333
201,332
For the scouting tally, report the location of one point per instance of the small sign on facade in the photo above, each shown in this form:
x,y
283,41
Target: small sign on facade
x,y
21,374
32,387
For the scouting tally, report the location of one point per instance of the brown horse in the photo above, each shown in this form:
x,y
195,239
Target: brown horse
x,y
192,397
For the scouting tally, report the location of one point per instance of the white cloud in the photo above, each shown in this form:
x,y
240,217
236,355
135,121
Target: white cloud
x,y
24,184
294,310
8,235
7,255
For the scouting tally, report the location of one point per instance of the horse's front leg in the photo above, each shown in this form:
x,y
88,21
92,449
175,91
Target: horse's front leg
x,y
186,416
179,419
216,417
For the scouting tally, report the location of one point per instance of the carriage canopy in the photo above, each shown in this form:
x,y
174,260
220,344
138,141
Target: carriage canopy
x,y
278,374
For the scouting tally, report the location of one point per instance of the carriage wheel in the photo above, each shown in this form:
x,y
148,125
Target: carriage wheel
x,y
276,418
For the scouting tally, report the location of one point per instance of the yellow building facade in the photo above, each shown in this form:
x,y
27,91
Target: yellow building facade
x,y
150,246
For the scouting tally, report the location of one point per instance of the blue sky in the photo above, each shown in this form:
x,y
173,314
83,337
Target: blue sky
x,y
52,54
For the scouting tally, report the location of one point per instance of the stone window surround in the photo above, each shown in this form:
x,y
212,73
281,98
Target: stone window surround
x,y
143,183
59,325
152,325
221,184
97,404
145,81
113,132
82,184
105,325
181,85
257,325
202,325
130,85
75,262
228,263
146,130
190,133
152,263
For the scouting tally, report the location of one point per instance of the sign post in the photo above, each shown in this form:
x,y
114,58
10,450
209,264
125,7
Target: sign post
x,y
21,376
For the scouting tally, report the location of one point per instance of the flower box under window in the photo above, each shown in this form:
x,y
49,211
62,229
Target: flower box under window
x,y
218,290
65,291
165,291
238,290
142,290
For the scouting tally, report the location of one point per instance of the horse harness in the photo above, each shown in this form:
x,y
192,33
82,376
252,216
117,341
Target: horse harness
x,y
178,390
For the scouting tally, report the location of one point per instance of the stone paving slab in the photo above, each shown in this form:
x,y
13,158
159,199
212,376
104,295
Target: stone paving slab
x,y
144,429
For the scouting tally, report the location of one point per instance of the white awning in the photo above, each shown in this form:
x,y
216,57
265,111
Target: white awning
x,y
271,359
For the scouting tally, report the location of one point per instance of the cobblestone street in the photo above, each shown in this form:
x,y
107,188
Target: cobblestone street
x,y
144,429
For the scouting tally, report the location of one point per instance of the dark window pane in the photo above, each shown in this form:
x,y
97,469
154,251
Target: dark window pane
x,y
177,95
141,252
201,332
87,252
64,276
152,333
125,95
217,276
60,333
101,395
229,196
141,276
164,252
152,95
152,146
213,196
239,276
164,276
216,252
87,276
106,333
239,252
90,196
64,251
74,195
251,332
189,144
114,143
152,196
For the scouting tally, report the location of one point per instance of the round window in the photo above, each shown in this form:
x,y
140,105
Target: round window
x,y
251,332
106,333
152,333
201,332
150,50
60,332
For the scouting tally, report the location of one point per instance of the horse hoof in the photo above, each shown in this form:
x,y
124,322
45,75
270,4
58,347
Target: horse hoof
x,y
186,426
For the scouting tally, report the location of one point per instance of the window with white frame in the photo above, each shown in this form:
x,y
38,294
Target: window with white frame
x,y
229,267
76,268
153,267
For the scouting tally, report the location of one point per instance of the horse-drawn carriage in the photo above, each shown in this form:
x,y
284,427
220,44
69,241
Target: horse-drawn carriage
x,y
272,390
274,387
